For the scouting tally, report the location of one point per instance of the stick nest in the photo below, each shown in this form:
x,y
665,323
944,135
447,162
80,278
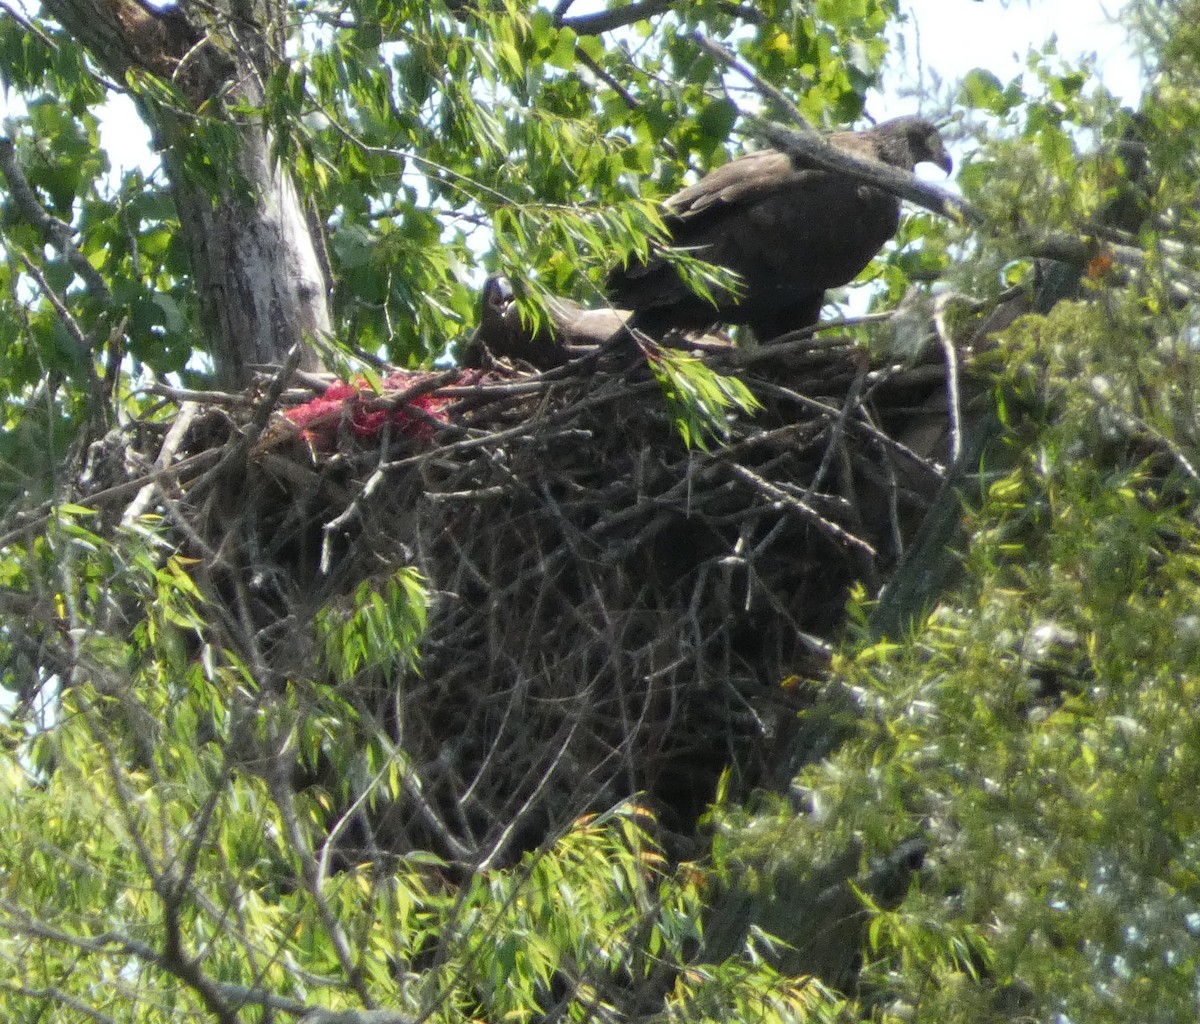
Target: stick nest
x,y
611,613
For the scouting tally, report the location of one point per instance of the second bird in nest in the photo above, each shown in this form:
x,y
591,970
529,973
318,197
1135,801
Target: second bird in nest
x,y
566,331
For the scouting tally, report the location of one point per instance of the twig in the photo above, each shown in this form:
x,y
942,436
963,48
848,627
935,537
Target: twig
x,y
764,88
805,511
195,395
69,322
170,446
954,407
84,343
631,101
234,994
850,403
281,791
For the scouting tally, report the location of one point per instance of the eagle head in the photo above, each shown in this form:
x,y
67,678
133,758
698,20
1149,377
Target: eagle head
x,y
908,141
497,295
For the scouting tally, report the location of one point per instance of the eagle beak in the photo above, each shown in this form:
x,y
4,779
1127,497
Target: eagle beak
x,y
942,159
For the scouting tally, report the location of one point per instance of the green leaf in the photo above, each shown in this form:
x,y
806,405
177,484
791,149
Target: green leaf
x,y
716,121
700,398
981,89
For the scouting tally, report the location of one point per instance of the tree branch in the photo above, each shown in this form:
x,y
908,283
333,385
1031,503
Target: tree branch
x,y
764,88
605,21
892,179
619,17
55,231
310,878
358,1017
233,994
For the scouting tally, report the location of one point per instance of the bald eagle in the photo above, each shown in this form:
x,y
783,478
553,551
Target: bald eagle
x,y
569,330
788,228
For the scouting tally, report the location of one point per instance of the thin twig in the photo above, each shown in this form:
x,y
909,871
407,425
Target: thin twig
x,y
764,88
954,407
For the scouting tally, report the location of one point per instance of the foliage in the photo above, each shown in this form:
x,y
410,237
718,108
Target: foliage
x,y
387,619
176,787
1030,724
700,398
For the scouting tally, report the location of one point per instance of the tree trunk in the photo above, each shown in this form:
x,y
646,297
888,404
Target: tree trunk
x,y
261,281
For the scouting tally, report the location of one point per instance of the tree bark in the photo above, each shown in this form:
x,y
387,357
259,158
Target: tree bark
x,y
261,283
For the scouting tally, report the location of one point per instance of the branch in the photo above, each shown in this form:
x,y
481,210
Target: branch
x,y
357,1017
175,960
53,230
240,995
953,401
619,17
631,101
892,179
764,88
10,7
84,343
784,501
187,972
57,995
310,877
42,514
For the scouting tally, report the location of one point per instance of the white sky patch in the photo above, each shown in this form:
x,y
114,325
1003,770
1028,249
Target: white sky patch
x,y
944,39
126,138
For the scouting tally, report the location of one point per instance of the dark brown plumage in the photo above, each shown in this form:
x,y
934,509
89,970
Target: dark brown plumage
x,y
789,229
569,328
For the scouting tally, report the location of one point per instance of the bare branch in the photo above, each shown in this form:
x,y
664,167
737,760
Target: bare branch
x,y
281,791
940,303
170,447
784,501
618,17
892,179
765,88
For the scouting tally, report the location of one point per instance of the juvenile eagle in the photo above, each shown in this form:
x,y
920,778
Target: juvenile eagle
x,y
788,228
569,328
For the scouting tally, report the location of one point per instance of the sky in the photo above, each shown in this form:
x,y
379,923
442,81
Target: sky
x,y
948,38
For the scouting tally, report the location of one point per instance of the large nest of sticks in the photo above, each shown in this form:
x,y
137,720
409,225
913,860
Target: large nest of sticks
x,y
612,613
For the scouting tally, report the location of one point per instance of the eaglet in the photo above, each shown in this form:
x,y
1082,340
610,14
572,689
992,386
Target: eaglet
x,y
788,228
568,329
